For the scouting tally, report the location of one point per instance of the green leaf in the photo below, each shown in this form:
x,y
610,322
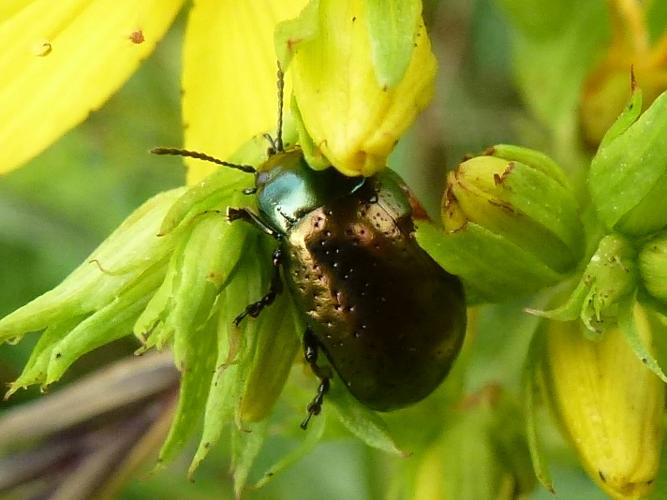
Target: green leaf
x,y
628,176
553,58
392,25
311,439
366,424
537,18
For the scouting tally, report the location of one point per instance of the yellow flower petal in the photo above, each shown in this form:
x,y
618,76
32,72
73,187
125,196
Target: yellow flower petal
x,y
10,7
229,75
61,60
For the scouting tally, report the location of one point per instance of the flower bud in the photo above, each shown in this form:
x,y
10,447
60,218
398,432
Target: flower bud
x,y
511,221
361,72
609,404
609,277
653,266
628,176
482,453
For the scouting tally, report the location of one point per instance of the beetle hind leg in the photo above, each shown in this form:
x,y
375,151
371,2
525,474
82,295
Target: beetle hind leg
x,y
310,352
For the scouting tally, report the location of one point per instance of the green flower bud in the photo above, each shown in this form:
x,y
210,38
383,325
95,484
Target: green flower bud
x,y
628,176
609,404
511,222
653,266
482,453
609,277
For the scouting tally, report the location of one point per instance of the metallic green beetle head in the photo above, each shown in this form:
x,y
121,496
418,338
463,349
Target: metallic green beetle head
x,y
287,188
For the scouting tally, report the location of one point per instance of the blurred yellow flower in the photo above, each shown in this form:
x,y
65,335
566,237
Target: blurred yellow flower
x,y
62,60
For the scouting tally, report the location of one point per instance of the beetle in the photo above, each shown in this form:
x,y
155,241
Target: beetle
x,y
389,319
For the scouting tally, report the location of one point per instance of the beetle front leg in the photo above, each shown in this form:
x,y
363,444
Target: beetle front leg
x,y
251,218
310,351
253,310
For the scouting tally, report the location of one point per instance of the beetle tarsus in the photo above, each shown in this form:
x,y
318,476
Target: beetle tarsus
x,y
310,352
315,406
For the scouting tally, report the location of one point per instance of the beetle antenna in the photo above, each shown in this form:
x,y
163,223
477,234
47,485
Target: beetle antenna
x,y
202,156
281,97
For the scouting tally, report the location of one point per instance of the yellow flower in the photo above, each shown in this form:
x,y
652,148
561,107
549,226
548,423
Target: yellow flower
x,y
62,60
609,403
360,80
66,58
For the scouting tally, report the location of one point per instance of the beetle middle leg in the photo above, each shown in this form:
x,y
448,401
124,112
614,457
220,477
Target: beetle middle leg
x,y
310,351
253,310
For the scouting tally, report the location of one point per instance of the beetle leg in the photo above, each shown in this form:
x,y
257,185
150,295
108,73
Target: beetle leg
x,y
310,350
246,215
253,310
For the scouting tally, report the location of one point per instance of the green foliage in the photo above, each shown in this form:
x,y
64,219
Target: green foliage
x,y
200,272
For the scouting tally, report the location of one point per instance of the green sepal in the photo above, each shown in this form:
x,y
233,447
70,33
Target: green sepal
x,y
109,323
570,310
365,424
208,259
198,365
314,157
274,348
116,265
215,191
627,117
392,26
532,158
628,176
630,322
149,327
653,266
610,277
34,371
491,267
246,445
533,394
224,391
208,195
233,359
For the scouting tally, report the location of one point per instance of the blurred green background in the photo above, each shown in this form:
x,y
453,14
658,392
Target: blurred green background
x,y
497,83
